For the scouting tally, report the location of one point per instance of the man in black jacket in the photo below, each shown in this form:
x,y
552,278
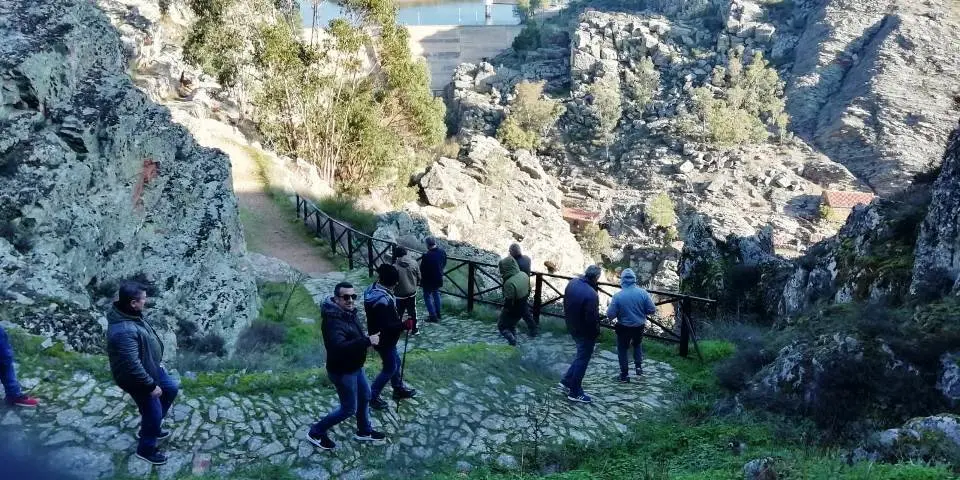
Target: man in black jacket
x,y
136,352
346,347
381,309
581,311
525,265
432,265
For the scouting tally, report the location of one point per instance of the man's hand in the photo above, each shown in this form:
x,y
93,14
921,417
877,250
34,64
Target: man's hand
x,y
375,339
156,392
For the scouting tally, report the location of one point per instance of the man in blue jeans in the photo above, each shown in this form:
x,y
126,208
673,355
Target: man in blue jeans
x,y
346,347
630,306
581,311
136,352
382,316
8,376
432,266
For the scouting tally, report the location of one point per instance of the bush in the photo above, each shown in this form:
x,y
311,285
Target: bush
x,y
529,118
595,240
660,211
605,93
261,336
345,209
643,85
528,38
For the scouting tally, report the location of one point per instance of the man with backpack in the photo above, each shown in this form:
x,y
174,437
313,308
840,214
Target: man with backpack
x,y
525,265
381,309
346,346
432,266
406,290
516,290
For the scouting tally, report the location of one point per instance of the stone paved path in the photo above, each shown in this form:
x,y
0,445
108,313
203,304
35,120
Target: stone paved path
x,y
477,397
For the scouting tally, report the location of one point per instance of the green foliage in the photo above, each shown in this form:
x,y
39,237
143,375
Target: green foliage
x,y
831,215
643,85
210,44
594,240
526,8
528,38
346,209
739,113
660,211
606,99
530,116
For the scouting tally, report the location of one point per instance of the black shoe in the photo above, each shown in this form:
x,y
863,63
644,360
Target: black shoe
x,y
623,379
404,393
371,436
164,434
533,333
415,332
378,404
639,371
322,441
153,458
432,319
511,338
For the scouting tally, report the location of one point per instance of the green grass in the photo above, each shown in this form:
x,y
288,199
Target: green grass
x,y
345,209
28,351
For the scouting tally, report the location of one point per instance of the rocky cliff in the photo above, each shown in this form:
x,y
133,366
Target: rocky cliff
x,y
937,268
98,185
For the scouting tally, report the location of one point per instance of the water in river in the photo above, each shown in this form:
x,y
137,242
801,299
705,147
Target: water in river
x,y
428,12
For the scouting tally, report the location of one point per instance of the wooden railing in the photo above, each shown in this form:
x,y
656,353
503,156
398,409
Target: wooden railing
x,y
479,282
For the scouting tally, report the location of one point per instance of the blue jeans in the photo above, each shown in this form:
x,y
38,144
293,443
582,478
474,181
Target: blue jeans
x,y
625,337
432,299
354,394
153,410
390,372
573,379
8,375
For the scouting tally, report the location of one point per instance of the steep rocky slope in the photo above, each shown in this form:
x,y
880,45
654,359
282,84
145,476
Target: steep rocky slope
x,y
99,185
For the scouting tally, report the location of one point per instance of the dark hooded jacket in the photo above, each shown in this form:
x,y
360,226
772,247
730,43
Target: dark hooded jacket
x,y
431,268
134,350
382,316
581,308
516,284
524,263
343,338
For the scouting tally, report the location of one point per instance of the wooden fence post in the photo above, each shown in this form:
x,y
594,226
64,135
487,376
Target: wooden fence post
x,y
370,256
537,298
333,236
684,327
471,270
350,249
297,195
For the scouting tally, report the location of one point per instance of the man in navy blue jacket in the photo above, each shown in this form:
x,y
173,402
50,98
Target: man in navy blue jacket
x,y
432,266
581,311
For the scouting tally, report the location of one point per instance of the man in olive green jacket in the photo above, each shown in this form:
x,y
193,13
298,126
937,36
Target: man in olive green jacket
x,y
516,290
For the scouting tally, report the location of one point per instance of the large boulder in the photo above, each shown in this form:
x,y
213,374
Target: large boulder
x,y
98,185
937,268
933,439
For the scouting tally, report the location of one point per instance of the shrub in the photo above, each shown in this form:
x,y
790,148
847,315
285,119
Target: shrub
x,y
595,240
261,336
530,116
643,85
528,38
345,209
660,211
606,99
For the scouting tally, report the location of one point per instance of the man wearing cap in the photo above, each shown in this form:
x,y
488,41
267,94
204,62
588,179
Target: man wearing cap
x,y
581,311
382,316
432,265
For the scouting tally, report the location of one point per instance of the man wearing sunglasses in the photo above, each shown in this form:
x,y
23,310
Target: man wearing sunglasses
x,y
346,346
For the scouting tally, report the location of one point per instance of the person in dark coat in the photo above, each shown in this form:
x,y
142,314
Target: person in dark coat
x,y
346,346
382,316
516,292
581,310
432,266
136,352
525,264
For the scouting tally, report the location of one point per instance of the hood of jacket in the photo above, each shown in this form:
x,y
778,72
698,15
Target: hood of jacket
x,y
508,267
406,262
376,294
116,315
627,278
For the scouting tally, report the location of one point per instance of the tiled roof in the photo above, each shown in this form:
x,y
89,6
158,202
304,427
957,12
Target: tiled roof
x,y
837,199
571,213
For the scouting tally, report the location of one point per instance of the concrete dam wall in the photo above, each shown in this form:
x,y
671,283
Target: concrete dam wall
x,y
446,46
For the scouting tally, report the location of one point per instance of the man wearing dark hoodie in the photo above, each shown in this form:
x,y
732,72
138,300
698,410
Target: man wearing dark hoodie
x,y
432,265
406,290
346,347
630,306
516,290
135,352
581,311
381,309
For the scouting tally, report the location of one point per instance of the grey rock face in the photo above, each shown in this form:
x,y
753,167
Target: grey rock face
x,y
935,438
98,185
949,383
872,85
937,268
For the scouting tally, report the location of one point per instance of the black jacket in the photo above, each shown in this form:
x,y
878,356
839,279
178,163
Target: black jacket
x,y
581,309
524,263
432,265
343,338
135,351
382,317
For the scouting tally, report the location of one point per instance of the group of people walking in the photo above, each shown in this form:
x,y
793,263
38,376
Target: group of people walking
x,y
135,350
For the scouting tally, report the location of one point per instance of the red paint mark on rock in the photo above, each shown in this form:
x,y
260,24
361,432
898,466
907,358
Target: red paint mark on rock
x,y
150,171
